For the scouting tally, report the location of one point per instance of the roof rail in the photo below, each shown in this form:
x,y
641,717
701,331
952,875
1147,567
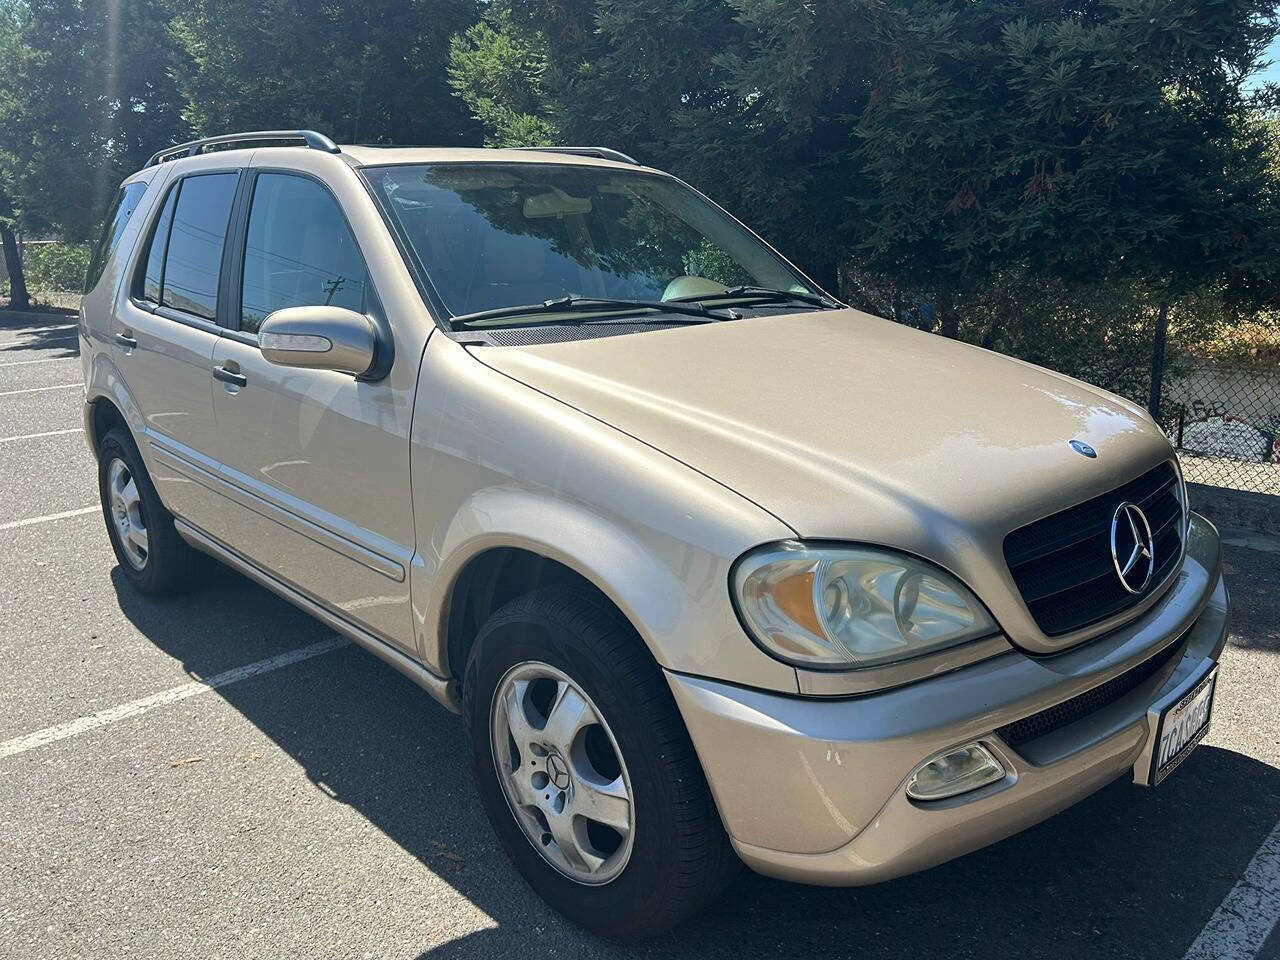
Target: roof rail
x,y
309,138
603,153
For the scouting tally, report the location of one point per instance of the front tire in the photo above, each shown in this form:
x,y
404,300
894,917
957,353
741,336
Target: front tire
x,y
586,770
153,557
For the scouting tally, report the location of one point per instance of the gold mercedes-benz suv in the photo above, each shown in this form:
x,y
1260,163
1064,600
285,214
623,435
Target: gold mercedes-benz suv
x,y
715,568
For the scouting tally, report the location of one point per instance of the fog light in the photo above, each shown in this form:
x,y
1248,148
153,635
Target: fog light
x,y
963,769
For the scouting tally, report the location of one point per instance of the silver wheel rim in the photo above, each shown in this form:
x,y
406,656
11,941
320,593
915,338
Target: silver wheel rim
x,y
125,506
562,773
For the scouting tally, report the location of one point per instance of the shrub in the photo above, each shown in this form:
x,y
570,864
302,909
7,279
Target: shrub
x,y
55,267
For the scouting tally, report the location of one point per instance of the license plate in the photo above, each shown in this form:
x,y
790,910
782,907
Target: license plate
x,y
1181,721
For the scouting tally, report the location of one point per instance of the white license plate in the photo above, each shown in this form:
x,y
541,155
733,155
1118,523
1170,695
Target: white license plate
x,y
1182,724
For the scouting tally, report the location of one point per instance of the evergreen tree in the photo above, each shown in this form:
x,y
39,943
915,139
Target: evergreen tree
x,y
85,95
370,71
934,143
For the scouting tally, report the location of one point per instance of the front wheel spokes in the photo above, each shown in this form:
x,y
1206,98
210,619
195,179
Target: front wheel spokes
x,y
605,803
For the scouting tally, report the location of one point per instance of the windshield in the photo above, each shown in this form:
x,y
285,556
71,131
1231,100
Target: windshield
x,y
489,236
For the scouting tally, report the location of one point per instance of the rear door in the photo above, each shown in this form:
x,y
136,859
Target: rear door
x,y
316,462
163,337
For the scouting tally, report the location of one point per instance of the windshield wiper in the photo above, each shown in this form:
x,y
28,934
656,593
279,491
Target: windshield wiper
x,y
766,293
572,304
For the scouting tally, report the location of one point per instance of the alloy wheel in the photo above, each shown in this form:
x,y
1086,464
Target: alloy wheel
x,y
562,773
125,505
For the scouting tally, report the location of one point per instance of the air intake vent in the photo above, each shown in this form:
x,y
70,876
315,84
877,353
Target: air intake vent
x,y
1077,708
1063,566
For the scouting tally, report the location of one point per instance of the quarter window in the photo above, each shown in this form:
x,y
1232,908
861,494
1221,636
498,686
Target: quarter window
x,y
122,207
153,279
299,251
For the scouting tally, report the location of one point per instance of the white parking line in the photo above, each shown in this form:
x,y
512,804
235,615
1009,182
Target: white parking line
x,y
61,386
1247,915
111,715
19,363
14,524
47,433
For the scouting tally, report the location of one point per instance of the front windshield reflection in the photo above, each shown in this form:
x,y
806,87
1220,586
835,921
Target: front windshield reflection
x,y
490,235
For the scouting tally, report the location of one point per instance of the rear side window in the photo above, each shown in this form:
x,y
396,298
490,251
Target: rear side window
x,y
154,277
185,255
299,251
122,207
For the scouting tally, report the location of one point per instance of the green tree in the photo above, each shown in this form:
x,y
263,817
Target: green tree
x,y
370,71
672,85
931,146
85,94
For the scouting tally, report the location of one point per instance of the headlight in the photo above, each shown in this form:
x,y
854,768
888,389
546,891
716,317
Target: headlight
x,y
843,607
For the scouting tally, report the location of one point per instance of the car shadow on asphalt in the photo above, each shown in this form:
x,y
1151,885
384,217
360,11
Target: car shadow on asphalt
x,y
1127,873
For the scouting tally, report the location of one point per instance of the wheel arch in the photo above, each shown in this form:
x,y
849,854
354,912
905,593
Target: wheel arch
x,y
492,578
101,414
506,542
670,586
108,402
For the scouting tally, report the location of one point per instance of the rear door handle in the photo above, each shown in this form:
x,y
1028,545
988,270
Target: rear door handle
x,y
230,376
125,339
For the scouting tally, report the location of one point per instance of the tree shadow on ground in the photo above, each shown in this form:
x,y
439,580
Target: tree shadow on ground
x,y
52,336
1127,873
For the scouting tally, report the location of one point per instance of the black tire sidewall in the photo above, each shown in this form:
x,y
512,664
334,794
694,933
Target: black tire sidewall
x,y
616,908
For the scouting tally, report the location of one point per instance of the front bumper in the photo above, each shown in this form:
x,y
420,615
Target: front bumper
x,y
813,790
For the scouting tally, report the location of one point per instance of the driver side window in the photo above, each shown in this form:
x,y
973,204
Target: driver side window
x,y
299,251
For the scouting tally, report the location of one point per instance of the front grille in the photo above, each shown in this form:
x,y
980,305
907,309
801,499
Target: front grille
x,y
1069,711
1062,564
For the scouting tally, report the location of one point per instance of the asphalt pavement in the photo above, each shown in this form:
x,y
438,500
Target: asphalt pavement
x,y
157,800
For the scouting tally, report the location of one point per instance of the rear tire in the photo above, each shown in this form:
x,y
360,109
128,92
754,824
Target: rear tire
x,y
673,857
153,557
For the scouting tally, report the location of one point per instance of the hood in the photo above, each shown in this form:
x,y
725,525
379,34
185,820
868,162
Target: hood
x,y
846,426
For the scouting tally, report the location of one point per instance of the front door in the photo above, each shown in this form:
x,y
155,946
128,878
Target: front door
x,y
316,462
163,342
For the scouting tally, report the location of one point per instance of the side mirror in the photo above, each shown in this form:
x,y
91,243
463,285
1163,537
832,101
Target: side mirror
x,y
319,338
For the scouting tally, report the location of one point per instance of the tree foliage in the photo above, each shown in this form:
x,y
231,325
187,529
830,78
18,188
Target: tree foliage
x,y
933,142
370,71
85,94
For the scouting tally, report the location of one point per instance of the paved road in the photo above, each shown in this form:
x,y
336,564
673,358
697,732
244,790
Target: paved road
x,y
324,809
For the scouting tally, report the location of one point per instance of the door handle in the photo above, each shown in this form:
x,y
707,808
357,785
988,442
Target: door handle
x,y
125,339
230,376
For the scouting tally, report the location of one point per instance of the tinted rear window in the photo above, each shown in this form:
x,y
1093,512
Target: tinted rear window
x,y
122,207
194,253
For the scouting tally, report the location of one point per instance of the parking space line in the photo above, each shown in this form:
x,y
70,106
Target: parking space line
x,y
133,708
60,386
19,363
14,524
1247,915
47,433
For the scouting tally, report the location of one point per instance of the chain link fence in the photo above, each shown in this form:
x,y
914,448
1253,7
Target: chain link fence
x,y
1222,408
